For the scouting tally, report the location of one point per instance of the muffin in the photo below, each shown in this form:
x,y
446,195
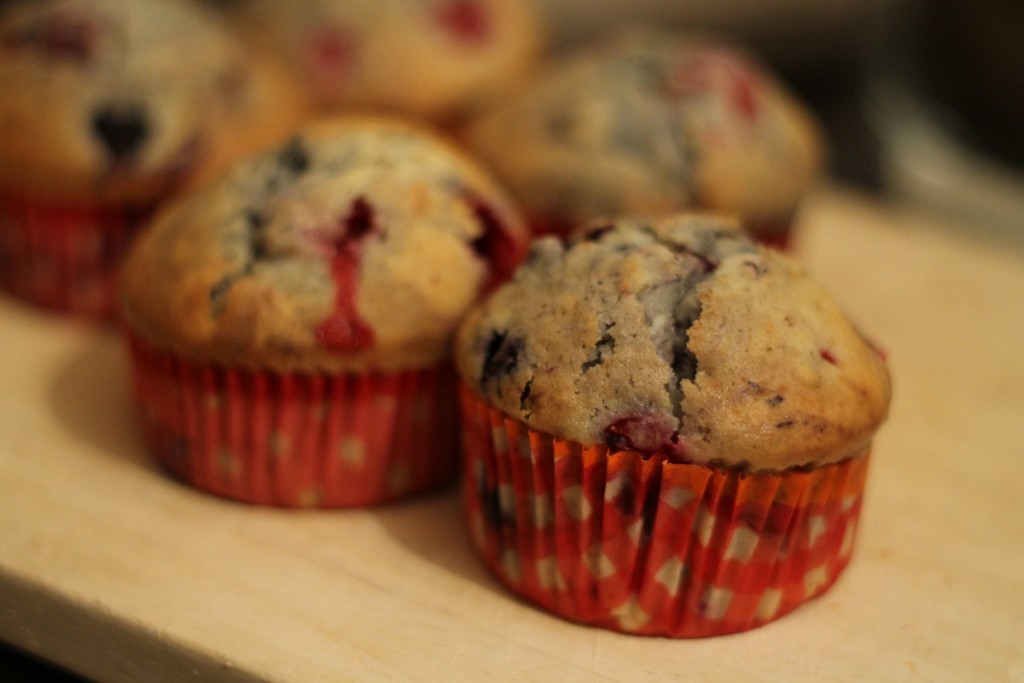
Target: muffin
x,y
430,59
653,123
109,108
291,323
667,429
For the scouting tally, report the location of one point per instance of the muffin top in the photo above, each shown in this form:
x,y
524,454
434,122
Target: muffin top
x,y
121,101
357,245
676,335
426,58
649,123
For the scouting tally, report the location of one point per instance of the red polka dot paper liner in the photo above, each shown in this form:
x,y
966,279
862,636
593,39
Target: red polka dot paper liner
x,y
646,546
64,257
298,440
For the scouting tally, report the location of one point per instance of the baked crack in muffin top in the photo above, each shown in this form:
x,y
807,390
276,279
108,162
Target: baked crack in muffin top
x,y
678,336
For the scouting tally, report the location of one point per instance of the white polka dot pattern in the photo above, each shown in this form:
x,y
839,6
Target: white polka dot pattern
x,y
298,440
64,257
648,546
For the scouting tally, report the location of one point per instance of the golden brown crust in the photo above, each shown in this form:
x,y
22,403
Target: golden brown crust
x,y
783,378
357,245
677,335
648,123
179,96
431,60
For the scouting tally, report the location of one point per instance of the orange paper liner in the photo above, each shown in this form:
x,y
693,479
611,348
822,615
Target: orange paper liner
x,y
297,440
643,545
64,257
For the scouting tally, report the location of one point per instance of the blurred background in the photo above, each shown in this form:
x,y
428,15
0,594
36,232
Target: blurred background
x,y
922,102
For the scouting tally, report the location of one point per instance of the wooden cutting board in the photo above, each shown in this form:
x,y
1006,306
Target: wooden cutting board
x,y
109,568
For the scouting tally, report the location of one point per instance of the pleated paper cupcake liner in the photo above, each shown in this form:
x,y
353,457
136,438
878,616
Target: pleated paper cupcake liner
x,y
296,440
64,257
642,545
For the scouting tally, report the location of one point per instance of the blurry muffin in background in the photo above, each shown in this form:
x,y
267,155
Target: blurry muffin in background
x,y
431,59
651,122
292,323
109,107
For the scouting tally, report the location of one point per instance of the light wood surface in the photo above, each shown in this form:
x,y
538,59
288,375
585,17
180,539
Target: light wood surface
x,y
111,569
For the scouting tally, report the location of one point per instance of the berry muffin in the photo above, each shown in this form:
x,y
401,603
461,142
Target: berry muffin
x,y
667,429
291,323
109,107
653,123
431,59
